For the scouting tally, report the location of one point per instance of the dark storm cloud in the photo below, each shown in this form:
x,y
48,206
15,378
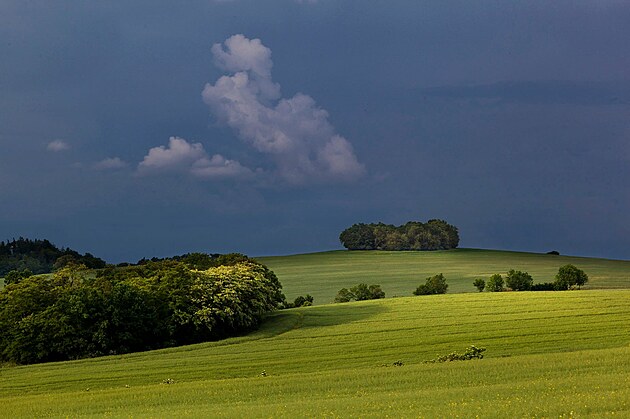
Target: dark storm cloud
x,y
509,119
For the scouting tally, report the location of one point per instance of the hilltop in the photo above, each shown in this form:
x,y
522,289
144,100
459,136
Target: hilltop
x,y
400,272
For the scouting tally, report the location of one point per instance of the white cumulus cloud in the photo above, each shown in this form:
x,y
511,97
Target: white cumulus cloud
x,y
293,132
57,145
184,157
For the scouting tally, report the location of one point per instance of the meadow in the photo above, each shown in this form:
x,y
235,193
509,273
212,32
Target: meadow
x,y
399,273
562,354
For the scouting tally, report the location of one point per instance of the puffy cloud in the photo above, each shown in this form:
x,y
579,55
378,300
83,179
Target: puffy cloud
x,y
57,145
113,163
294,131
184,157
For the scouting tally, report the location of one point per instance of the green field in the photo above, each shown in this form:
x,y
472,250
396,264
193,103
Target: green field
x,y
560,354
399,273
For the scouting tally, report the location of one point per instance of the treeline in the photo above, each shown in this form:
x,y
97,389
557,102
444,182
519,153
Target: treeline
x,y
432,235
78,313
40,256
568,277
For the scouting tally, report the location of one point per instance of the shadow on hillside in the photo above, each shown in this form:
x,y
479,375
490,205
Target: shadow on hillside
x,y
333,315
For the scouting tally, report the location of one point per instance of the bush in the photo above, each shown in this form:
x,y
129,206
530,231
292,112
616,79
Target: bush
x,y
434,285
495,283
480,284
359,292
519,281
569,276
472,352
303,301
544,286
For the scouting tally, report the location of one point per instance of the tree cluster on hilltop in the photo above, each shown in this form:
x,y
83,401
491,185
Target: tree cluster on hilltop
x,y
40,256
78,313
414,235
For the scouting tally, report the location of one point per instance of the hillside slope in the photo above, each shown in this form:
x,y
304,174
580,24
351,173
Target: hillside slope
x,y
548,354
399,273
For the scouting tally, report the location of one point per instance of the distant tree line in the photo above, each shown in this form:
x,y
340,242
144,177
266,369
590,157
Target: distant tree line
x,y
79,313
414,235
40,256
568,277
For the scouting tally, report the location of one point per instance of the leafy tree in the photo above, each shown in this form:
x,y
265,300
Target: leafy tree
x,y
519,281
376,292
569,276
358,237
434,285
303,301
495,283
480,284
343,296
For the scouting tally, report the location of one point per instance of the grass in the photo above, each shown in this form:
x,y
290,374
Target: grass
x,y
399,273
562,354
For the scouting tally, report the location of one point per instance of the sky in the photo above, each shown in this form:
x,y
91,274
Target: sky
x,y
156,128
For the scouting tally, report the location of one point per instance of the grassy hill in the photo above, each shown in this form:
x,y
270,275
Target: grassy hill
x,y
399,273
562,354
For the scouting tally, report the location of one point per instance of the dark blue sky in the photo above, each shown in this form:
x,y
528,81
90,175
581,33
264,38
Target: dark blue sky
x,y
124,132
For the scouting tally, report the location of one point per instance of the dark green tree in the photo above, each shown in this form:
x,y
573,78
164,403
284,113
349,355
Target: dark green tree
x,y
495,283
570,276
480,284
519,281
434,285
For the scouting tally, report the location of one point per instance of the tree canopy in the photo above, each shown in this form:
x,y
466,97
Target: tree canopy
x,y
40,256
414,235
78,313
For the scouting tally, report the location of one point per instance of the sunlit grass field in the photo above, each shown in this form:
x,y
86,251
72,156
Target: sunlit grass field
x,y
549,354
399,273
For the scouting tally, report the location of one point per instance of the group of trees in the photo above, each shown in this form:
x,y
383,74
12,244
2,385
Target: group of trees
x,y
40,256
568,277
359,292
432,235
79,313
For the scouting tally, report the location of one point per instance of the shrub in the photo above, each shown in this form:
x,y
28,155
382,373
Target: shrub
x,y
434,285
472,352
480,284
495,283
303,301
544,286
359,292
519,281
554,253
569,276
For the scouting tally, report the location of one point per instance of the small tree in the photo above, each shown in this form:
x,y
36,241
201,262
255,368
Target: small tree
x,y
303,301
343,296
15,276
569,276
376,292
480,284
434,285
519,281
495,283
361,292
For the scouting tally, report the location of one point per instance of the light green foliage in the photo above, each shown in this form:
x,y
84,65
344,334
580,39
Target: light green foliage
x,y
549,354
323,274
569,276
